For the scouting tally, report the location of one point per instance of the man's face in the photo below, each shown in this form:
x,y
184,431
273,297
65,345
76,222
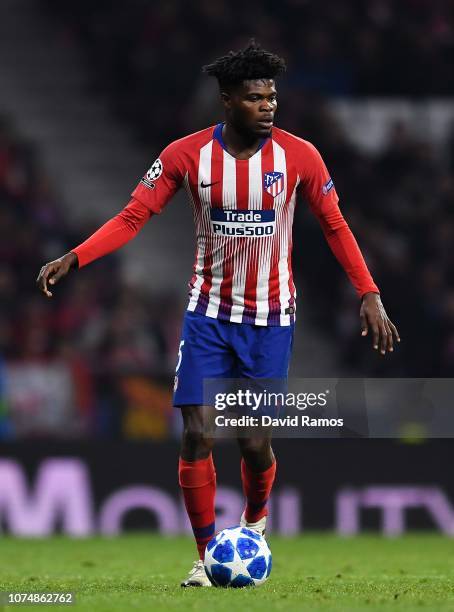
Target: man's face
x,y
250,107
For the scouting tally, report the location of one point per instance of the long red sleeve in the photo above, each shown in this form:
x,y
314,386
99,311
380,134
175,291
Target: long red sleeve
x,y
346,250
115,233
319,190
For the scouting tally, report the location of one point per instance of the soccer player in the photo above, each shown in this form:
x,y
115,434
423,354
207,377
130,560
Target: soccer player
x,y
242,177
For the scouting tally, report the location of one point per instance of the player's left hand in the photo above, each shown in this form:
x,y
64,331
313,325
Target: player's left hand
x,y
373,316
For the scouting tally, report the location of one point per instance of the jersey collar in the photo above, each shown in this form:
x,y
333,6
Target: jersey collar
x,y
217,135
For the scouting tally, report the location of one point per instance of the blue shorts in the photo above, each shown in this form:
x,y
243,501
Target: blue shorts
x,y
211,348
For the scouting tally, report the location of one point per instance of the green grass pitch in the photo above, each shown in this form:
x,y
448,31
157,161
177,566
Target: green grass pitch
x,y
312,572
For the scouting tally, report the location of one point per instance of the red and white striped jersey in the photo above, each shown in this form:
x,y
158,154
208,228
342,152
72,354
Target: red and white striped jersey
x,y
243,214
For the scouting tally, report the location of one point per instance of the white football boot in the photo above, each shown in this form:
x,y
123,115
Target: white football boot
x,y
197,576
259,527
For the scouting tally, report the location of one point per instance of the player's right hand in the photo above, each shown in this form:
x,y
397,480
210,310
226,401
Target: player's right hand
x,y
53,271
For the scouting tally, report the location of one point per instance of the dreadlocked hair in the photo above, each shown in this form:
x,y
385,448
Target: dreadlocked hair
x,y
252,62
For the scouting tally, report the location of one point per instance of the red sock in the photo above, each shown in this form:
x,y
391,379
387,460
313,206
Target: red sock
x,y
257,488
198,483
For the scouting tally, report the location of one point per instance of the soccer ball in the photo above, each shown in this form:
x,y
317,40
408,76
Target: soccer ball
x,y
237,557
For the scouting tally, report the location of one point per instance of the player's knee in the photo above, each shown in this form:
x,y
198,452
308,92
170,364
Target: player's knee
x,y
196,443
255,446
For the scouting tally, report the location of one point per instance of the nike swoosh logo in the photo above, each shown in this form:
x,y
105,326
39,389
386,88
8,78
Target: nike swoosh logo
x,y
203,185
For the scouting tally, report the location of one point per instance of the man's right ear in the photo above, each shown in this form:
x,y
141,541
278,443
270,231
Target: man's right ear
x,y
226,100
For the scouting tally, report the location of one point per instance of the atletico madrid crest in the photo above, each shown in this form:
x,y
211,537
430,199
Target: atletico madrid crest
x,y
273,182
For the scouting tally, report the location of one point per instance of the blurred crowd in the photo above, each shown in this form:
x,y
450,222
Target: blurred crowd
x,y
399,204
148,54
94,322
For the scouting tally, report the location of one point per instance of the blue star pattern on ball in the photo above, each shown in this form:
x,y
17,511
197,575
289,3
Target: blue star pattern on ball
x,y
224,552
238,557
257,567
214,541
250,533
241,581
221,575
246,548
